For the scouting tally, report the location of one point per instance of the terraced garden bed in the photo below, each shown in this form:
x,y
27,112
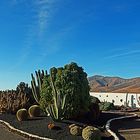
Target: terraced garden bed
x,y
38,126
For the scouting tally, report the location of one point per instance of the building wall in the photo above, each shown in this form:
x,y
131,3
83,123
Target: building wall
x,y
118,98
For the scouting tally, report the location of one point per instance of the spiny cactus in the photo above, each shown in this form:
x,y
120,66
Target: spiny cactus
x,y
70,126
34,111
36,87
22,114
57,109
91,133
126,103
76,130
72,81
11,101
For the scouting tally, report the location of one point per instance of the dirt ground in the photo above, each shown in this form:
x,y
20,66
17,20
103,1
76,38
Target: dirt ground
x,y
6,135
127,129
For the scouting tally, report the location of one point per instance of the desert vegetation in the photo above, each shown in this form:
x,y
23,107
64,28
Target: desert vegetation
x,y
62,97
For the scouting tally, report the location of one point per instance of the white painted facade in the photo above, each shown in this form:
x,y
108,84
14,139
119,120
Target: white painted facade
x,y
119,98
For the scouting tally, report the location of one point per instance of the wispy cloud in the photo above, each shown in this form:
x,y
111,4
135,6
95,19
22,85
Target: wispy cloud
x,y
36,27
44,10
123,53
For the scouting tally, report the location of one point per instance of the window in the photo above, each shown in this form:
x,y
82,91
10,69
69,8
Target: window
x,y
121,100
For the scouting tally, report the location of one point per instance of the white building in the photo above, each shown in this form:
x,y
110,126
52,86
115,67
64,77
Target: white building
x,y
131,99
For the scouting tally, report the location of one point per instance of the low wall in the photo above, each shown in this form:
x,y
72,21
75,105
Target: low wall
x,y
118,98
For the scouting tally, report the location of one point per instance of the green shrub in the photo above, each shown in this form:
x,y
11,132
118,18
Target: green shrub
x,y
94,100
22,114
70,80
34,111
94,110
105,106
91,133
76,130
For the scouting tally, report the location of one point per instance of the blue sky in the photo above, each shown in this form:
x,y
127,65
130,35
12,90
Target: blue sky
x,y
102,36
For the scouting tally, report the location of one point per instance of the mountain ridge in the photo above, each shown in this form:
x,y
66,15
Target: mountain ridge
x,y
99,83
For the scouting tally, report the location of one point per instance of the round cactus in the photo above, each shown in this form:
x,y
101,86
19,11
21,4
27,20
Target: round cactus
x,y
34,111
72,125
91,133
22,114
75,130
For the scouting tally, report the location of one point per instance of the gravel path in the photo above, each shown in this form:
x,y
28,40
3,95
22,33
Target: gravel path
x,y
6,135
127,129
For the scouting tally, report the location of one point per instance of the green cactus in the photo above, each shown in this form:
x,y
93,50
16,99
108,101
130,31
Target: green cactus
x,y
91,133
126,103
76,130
69,81
22,114
57,109
105,106
34,111
70,126
36,87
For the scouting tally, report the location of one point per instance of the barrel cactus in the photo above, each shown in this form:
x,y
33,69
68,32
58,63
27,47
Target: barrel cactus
x,y
72,125
91,133
34,111
22,114
75,130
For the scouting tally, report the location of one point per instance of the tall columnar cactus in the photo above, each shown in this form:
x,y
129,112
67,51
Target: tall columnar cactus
x,y
126,103
36,87
57,109
132,101
138,99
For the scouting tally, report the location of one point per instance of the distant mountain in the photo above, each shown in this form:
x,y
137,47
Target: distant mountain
x,y
100,83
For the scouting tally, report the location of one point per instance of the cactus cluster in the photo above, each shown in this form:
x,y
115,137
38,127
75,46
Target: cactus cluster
x,y
34,111
91,133
36,84
57,109
22,114
11,101
87,133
